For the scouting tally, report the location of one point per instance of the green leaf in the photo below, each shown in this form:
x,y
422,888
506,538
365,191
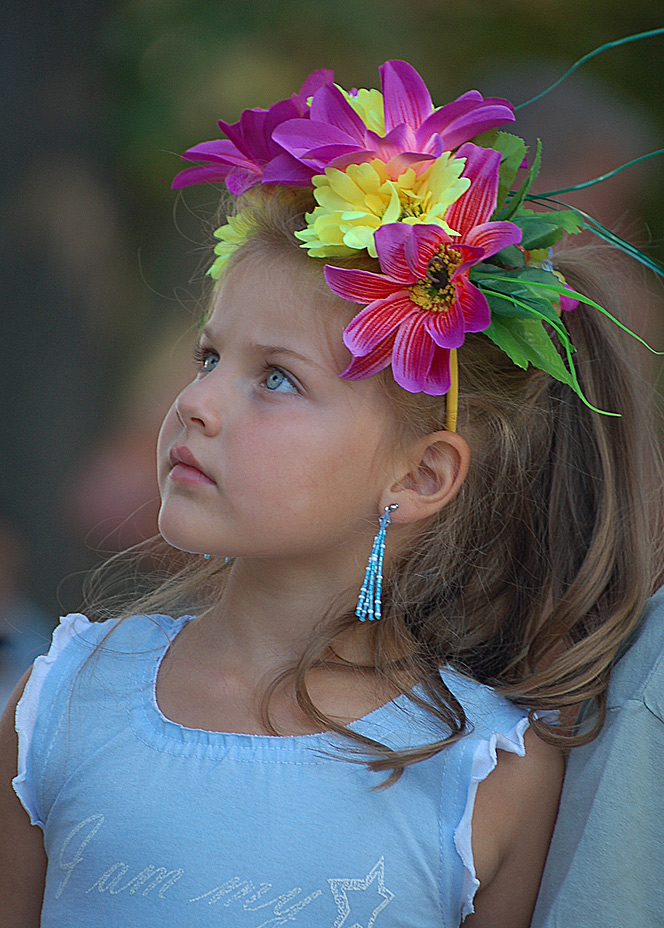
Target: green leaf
x,y
510,257
535,275
542,230
502,306
517,299
606,234
537,233
485,280
531,287
526,341
566,219
486,139
517,199
512,152
490,272
565,343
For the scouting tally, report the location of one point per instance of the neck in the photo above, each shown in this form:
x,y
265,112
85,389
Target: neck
x,y
269,611
219,669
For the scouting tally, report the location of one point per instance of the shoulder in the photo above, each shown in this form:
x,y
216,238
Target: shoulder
x,y
639,672
22,857
91,673
521,791
513,820
79,637
610,819
80,644
512,781
490,717
75,640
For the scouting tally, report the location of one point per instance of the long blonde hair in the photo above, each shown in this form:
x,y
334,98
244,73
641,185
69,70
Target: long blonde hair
x,y
536,574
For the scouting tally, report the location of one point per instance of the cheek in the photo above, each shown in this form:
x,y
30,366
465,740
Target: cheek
x,y
169,429
270,464
300,466
259,458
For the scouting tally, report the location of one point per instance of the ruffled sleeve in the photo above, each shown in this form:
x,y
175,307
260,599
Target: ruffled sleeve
x,y
483,762
493,723
28,709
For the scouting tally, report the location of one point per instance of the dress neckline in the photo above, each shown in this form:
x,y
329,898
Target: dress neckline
x,y
148,716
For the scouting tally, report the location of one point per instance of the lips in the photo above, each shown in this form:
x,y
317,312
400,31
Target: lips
x,y
186,469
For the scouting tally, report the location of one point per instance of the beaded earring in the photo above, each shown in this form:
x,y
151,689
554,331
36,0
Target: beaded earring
x,y
368,604
227,560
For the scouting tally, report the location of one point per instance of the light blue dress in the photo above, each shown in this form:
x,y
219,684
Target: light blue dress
x,y
149,823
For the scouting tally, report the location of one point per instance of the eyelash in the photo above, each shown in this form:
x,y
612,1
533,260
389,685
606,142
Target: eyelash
x,y
270,368
202,354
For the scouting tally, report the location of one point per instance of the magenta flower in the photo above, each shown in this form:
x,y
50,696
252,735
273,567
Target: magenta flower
x,y
250,155
423,303
568,303
413,131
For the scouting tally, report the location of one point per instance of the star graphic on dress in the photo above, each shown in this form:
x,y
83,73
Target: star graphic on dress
x,y
341,888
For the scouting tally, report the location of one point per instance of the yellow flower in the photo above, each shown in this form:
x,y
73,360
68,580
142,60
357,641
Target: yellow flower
x,y
354,203
235,233
369,106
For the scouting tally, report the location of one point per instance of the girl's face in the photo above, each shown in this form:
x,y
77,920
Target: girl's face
x,y
268,453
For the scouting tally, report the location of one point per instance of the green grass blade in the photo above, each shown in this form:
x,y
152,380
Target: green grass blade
x,y
602,177
567,291
577,64
602,232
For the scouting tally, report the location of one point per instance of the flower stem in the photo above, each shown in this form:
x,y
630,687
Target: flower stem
x,y
452,410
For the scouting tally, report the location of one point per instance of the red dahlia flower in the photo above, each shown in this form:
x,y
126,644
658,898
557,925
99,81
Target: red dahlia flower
x,y
423,303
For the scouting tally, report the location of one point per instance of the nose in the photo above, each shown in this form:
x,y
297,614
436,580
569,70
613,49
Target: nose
x,y
197,406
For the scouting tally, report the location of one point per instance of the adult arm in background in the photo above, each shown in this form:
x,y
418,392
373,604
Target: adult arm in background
x,y
605,867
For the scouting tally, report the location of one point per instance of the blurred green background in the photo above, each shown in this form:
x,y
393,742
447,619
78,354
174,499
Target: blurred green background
x,y
103,265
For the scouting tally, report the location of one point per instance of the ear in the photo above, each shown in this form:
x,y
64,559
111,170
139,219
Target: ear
x,y
438,468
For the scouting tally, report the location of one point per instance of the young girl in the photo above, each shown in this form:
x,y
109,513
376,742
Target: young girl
x,y
291,753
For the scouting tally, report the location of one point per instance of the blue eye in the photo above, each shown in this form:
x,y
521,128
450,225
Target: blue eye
x,y
206,359
279,382
210,362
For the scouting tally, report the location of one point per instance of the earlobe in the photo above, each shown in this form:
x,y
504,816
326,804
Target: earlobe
x,y
438,469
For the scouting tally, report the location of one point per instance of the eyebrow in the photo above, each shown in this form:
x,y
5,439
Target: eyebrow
x,y
276,349
279,349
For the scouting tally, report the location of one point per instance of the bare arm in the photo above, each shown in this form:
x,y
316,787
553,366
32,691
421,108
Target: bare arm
x,y
22,856
515,811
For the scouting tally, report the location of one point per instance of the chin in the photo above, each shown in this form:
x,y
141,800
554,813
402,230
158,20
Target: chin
x,y
172,533
178,544
181,544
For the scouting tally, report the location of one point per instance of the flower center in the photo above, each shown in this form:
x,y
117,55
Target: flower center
x,y
437,292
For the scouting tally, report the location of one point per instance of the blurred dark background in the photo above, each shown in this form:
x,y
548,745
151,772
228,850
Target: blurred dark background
x,y
103,265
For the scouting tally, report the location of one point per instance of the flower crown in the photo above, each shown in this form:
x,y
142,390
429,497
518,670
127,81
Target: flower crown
x,y
428,191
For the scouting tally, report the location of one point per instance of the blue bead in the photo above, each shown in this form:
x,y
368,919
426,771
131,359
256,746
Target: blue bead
x,y
369,601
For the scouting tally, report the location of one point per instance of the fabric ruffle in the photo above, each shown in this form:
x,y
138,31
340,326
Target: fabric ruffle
x,y
28,706
484,762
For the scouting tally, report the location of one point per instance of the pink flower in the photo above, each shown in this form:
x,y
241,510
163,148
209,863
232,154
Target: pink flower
x,y
423,303
252,156
336,135
568,303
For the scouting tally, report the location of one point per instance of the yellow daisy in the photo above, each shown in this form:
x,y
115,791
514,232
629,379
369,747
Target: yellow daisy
x,y
355,202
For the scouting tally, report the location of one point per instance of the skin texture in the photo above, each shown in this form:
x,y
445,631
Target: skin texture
x,y
22,856
293,467
515,811
296,455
